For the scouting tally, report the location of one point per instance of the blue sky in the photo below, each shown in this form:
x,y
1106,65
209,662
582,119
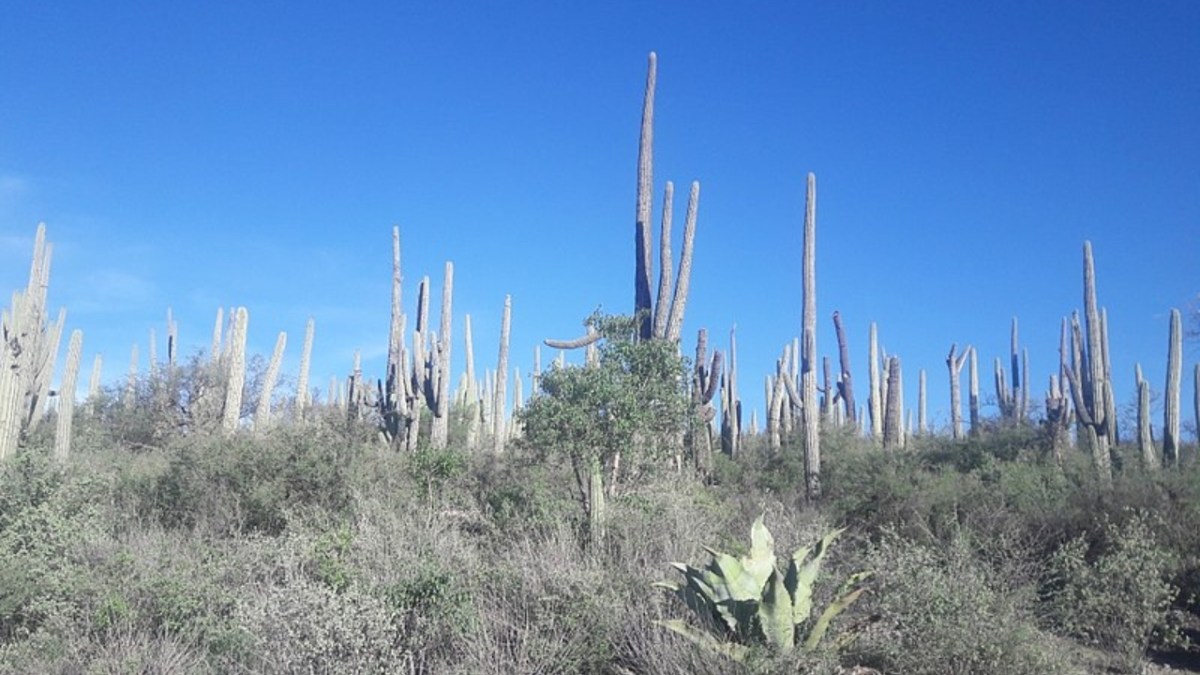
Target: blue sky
x,y
195,155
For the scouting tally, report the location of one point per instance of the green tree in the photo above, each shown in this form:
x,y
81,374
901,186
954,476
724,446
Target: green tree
x,y
625,409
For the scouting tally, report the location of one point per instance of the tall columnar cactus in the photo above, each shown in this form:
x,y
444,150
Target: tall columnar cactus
x,y
94,384
240,320
1089,386
1110,401
498,431
470,389
262,414
172,341
893,419
1011,401
706,376
397,407
1171,415
845,380
921,426
776,401
875,400
1058,400
955,365
218,331
808,355
973,394
66,397
642,230
437,367
1150,457
131,379
731,404
303,395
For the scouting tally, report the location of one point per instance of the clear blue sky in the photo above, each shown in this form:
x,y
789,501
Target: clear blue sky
x,y
194,155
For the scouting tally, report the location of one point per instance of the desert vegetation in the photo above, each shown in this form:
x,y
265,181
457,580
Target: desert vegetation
x,y
195,518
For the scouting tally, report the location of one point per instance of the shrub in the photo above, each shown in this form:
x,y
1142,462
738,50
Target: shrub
x,y
1113,594
941,611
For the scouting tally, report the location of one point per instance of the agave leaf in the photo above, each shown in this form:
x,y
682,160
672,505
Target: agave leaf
x,y
846,597
706,640
802,574
759,563
775,615
739,584
739,616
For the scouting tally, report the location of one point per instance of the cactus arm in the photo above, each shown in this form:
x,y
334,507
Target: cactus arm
x,y
662,303
682,284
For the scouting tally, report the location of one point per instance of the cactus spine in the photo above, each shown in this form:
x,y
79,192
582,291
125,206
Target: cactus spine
x,y
66,397
239,321
262,414
1171,416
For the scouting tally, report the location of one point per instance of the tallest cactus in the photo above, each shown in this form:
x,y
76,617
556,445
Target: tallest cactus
x,y
808,354
645,183
1089,384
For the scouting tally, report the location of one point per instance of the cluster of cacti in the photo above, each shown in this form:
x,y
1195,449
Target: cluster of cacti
x,y
1089,375
28,353
1058,400
1014,402
745,601
706,375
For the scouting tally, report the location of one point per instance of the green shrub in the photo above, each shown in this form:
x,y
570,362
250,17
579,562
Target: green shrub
x,y
941,611
249,483
1113,594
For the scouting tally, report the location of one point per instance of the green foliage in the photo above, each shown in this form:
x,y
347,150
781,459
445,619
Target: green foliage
x,y
1114,593
435,469
747,601
942,611
247,484
634,393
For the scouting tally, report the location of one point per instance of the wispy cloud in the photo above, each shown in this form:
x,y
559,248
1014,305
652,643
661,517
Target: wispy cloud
x,y
111,290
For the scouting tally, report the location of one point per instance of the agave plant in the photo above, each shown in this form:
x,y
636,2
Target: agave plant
x,y
747,601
